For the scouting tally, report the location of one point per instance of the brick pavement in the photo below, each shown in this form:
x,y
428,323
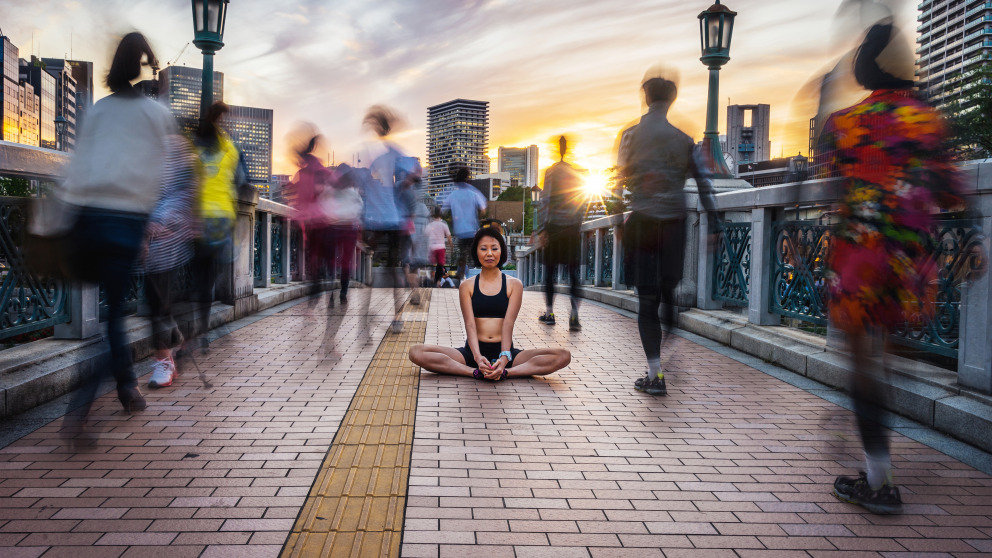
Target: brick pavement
x,y
732,463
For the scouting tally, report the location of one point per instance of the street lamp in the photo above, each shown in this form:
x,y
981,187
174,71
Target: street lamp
x,y
716,27
60,126
208,36
535,196
510,222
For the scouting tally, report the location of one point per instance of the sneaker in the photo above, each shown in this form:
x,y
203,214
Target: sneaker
x,y
396,326
655,386
547,318
415,299
573,323
884,501
162,373
343,298
641,382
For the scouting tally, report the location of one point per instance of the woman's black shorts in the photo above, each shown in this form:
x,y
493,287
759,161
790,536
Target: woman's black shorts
x,y
489,350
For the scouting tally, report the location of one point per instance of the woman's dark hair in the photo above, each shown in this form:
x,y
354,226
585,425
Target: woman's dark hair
x,y
381,120
127,62
866,69
208,131
490,233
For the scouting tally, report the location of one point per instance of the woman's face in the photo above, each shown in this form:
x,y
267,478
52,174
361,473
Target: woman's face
x,y
488,252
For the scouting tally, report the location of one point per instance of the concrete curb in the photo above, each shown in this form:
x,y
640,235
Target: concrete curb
x,y
924,393
39,372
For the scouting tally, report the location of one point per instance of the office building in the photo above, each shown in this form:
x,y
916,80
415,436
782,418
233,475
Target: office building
x,y
44,85
277,187
492,184
67,100
955,40
29,127
251,130
457,133
179,88
81,73
747,135
521,163
10,93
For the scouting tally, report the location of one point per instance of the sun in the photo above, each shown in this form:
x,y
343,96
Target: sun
x,y
597,184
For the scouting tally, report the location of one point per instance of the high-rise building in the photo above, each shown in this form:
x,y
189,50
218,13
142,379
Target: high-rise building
x,y
44,85
180,86
955,39
521,163
29,131
81,72
747,134
67,102
457,133
276,190
10,93
251,130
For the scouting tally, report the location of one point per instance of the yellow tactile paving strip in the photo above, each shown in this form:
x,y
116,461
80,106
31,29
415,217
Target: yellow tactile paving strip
x,y
357,502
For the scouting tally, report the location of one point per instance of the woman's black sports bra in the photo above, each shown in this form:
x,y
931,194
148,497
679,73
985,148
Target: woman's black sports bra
x,y
485,306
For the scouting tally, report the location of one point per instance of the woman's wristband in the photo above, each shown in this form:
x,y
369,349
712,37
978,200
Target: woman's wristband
x,y
508,355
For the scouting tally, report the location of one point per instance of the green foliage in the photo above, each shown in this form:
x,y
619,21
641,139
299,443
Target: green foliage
x,y
20,187
513,193
970,116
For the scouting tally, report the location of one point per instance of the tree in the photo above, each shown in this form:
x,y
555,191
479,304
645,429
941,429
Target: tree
x,y
517,193
970,116
20,187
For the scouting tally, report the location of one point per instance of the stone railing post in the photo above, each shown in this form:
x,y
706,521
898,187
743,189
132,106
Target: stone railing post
x,y
704,278
975,342
597,279
84,313
760,295
235,283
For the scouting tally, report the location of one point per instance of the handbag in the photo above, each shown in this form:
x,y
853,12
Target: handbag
x,y
45,247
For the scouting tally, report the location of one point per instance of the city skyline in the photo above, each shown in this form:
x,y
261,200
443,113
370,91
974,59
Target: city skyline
x,y
545,70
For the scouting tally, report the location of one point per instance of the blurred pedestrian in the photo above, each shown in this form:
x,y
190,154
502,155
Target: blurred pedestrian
x,y
115,181
466,204
384,221
659,160
438,234
170,234
564,208
221,172
311,206
342,206
889,150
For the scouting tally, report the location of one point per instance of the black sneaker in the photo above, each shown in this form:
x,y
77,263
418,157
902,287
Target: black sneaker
x,y
547,318
884,501
573,323
641,382
656,386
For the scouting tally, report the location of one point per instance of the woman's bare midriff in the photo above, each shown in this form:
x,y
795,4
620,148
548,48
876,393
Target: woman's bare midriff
x,y
489,330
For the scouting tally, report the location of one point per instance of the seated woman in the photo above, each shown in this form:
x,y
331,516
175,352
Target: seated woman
x,y
490,304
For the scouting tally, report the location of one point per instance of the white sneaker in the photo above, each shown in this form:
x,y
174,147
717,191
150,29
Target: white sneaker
x,y
163,371
397,326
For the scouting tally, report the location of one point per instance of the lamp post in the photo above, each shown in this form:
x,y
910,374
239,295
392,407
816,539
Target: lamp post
x,y
60,126
716,27
208,36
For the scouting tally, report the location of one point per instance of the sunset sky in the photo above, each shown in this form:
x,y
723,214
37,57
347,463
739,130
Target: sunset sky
x,y
547,67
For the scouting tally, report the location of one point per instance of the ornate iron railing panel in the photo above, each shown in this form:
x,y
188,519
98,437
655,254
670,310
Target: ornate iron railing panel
x,y
590,261
607,259
277,249
295,245
732,264
257,246
799,263
27,302
934,323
